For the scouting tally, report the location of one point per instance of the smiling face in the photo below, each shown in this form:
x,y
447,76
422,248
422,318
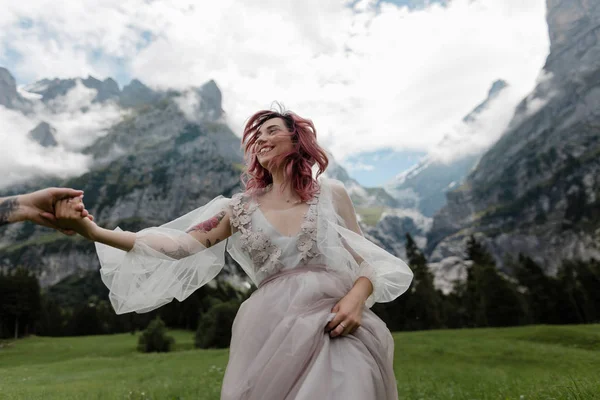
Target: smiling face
x,y
273,139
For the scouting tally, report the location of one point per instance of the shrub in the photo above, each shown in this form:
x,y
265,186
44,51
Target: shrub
x,y
214,327
154,338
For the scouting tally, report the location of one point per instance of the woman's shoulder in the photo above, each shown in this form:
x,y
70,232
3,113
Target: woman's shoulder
x,y
334,185
243,202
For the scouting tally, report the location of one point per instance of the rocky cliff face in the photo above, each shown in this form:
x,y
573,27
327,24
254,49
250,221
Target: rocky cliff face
x,y
43,134
50,89
537,191
361,196
136,94
9,96
390,232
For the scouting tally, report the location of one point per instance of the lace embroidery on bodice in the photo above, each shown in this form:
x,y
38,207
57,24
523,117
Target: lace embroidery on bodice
x,y
262,251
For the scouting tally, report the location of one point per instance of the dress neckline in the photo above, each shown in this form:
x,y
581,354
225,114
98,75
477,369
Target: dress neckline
x,y
264,217
311,203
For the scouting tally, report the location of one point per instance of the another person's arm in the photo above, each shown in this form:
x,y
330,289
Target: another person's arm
x,y
38,207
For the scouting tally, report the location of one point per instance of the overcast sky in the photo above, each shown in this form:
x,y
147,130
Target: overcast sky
x,y
374,76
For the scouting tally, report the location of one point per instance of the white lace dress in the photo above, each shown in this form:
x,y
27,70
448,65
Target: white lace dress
x,y
279,348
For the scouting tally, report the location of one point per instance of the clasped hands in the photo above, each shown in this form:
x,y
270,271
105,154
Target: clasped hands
x,y
40,207
67,216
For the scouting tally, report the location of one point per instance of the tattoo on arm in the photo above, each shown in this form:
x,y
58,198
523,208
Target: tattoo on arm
x,y
176,254
7,208
209,224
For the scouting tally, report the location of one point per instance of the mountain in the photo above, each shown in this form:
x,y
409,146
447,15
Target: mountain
x,y
392,227
50,89
381,220
537,190
136,94
424,186
9,96
362,197
43,134
153,124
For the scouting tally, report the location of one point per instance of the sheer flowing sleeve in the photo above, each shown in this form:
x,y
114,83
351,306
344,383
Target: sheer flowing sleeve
x,y
165,263
341,239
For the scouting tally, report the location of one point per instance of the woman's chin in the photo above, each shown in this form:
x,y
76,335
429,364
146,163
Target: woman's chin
x,y
265,162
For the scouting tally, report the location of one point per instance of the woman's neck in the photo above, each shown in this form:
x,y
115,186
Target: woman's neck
x,y
282,188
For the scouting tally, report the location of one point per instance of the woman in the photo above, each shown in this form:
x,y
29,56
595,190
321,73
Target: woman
x,y
305,333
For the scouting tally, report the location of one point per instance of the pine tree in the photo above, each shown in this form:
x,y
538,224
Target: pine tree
x,y
540,291
423,302
579,300
490,299
21,302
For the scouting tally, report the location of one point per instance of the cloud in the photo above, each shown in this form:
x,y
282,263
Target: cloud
x,y
22,159
476,136
189,104
370,75
358,166
78,123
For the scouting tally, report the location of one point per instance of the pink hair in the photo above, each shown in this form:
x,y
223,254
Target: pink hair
x,y
297,164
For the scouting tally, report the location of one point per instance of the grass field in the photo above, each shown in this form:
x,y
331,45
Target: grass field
x,y
538,362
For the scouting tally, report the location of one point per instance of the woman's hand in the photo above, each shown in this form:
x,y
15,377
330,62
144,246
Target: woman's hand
x,y
348,315
68,217
349,309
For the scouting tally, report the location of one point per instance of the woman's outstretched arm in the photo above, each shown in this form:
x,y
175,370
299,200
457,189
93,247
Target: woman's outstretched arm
x,y
177,246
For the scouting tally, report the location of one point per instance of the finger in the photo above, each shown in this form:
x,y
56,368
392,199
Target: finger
x,y
62,193
67,232
48,216
91,217
45,222
59,208
334,322
348,329
84,213
354,329
45,219
337,331
346,326
65,209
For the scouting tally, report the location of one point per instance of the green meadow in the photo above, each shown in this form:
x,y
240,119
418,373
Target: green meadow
x,y
534,362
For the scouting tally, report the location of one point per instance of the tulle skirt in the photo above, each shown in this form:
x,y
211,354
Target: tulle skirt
x,y
280,350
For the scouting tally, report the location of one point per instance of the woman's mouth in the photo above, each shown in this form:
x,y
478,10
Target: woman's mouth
x,y
265,150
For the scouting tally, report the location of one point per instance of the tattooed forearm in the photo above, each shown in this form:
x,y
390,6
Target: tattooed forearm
x,y
176,254
209,224
8,207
